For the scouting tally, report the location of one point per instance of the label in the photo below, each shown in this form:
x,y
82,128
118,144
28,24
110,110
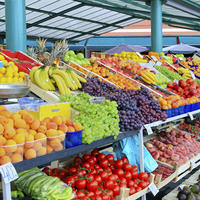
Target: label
x,y
191,116
158,63
192,74
151,63
139,54
149,130
154,58
192,163
153,189
180,58
8,172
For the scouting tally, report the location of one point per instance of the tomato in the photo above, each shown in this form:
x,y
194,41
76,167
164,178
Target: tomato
x,y
80,194
110,193
113,177
81,172
138,189
135,168
93,171
99,170
125,160
95,152
127,166
98,178
72,170
134,174
90,194
86,165
77,164
130,183
108,184
122,180
110,158
112,166
143,176
122,185
128,175
47,171
119,164
92,186
105,197
75,199
97,166
75,176
62,173
92,160
97,197
55,170
104,175
70,181
80,184
104,163
142,184
119,172
78,159
132,191
86,156
116,190
89,177
98,192
101,156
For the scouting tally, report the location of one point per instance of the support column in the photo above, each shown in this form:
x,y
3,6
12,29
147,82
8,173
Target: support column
x,y
15,12
156,26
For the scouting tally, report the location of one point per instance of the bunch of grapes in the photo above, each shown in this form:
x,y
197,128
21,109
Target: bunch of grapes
x,y
98,120
136,107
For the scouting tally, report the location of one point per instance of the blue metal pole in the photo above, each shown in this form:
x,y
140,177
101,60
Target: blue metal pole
x,y
156,26
15,12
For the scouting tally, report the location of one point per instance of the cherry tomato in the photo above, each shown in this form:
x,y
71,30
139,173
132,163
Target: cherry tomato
x,y
98,178
113,177
104,163
86,156
77,164
105,197
116,190
123,180
55,170
125,160
97,197
143,176
122,185
110,193
132,191
119,164
101,156
81,172
93,171
96,166
127,167
108,184
98,192
134,174
89,177
130,183
119,172
86,165
92,186
135,168
80,194
142,184
90,194
80,184
62,173
47,171
104,175
138,189
72,170
92,160
110,158
95,152
78,159
70,181
128,175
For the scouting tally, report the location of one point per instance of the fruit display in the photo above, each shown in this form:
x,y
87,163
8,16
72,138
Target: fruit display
x,y
98,120
9,73
173,147
155,55
38,185
136,108
99,176
149,77
185,73
49,77
162,81
185,89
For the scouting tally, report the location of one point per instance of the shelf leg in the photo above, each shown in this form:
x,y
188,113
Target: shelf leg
x,y
141,141
6,190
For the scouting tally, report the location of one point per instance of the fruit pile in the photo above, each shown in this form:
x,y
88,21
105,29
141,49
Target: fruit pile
x,y
115,78
9,72
38,185
173,147
185,73
163,170
149,77
98,176
191,192
23,136
48,78
162,80
98,120
136,108
186,89
155,55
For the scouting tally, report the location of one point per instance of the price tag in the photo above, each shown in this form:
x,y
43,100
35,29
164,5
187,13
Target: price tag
x,y
153,189
151,63
158,63
191,116
192,163
154,58
192,74
180,58
149,130
139,54
8,172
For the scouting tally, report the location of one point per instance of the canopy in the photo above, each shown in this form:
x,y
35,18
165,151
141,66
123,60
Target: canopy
x,y
181,48
127,48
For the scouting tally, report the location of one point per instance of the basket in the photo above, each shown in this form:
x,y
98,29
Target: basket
x,y
73,139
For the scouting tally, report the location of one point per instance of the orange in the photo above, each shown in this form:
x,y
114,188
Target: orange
x,y
11,146
1,129
16,158
2,152
2,140
49,149
42,151
19,138
19,123
4,160
29,154
9,133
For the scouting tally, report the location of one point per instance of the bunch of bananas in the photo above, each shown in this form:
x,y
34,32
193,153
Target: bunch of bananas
x,y
48,78
149,77
185,73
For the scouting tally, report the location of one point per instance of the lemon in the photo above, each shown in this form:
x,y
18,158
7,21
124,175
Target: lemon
x,y
5,62
16,75
15,80
11,63
15,68
1,75
2,70
2,57
21,80
3,80
9,74
21,74
9,80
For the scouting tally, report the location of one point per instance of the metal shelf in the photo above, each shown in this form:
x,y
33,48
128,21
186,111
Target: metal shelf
x,y
43,160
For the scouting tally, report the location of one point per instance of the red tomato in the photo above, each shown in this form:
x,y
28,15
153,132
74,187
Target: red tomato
x,y
95,152
104,175
99,170
138,189
123,180
78,159
80,194
70,181
86,165
101,156
113,177
143,176
72,170
75,176
125,160
134,174
132,191
93,171
55,170
142,184
119,164
81,172
90,194
105,197
122,185
47,171
128,175
92,160
96,166
104,163
98,178
130,183
119,172
110,158
108,184
80,184
98,192
77,164
92,186
135,168
86,156
127,167
116,190
110,193
62,173
89,177
97,197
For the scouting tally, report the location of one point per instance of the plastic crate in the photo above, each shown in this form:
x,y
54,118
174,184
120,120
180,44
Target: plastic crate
x,y
73,139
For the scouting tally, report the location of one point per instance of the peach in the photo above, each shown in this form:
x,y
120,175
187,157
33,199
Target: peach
x,y
69,122
46,120
15,116
54,143
32,132
11,146
78,126
19,138
20,150
37,146
39,136
28,118
10,124
22,131
49,149
1,129
3,120
29,154
4,160
52,133
16,158
149,145
19,123
42,129
63,127
42,151
9,133
6,113
59,147
71,129
57,119
52,125
35,124
64,119
2,140
2,152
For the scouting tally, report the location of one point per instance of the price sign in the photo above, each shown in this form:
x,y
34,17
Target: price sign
x,y
154,58
8,172
158,63
192,74
153,189
139,54
151,63
192,164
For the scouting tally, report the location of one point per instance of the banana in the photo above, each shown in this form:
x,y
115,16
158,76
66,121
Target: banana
x,y
74,77
81,79
51,70
39,79
61,84
47,79
31,74
75,86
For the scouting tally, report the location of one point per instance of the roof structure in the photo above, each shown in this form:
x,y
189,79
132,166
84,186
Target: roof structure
x,y
78,20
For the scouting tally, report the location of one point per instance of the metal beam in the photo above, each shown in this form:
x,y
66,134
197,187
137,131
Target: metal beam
x,y
176,26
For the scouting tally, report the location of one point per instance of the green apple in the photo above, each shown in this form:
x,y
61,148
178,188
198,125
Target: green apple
x,y
80,56
70,53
